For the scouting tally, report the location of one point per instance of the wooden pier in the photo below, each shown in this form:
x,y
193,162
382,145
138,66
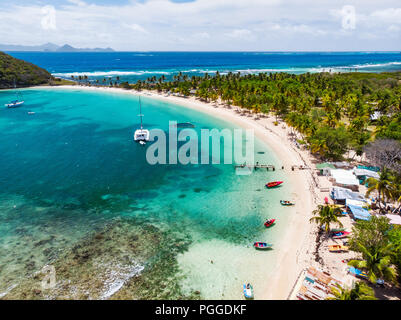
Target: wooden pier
x,y
256,166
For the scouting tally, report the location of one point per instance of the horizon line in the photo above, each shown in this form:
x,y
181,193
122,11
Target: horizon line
x,y
217,51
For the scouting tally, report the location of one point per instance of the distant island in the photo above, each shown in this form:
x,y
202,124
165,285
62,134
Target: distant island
x,y
51,47
19,73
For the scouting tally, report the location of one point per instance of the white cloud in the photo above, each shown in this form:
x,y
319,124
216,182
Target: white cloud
x,y
77,2
226,24
240,34
390,15
202,35
393,28
136,27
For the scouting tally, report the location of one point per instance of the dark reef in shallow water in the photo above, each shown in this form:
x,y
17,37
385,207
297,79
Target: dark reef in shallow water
x,y
128,259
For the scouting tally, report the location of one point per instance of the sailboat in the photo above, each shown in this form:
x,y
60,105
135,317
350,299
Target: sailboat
x,y
15,103
141,135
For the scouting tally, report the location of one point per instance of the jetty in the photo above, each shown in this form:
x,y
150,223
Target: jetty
x,y
256,166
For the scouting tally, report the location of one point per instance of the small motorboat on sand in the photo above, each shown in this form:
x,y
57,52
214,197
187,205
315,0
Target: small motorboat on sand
x,y
269,223
273,184
262,245
335,230
340,235
338,248
286,203
248,291
358,273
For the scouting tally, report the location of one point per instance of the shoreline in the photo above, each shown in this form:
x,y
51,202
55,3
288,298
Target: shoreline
x,y
296,246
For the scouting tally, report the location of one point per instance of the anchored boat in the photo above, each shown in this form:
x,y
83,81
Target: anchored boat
x,y
15,103
273,184
141,135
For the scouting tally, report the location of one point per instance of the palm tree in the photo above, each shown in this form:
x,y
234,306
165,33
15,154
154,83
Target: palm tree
x,y
359,291
377,262
325,215
395,189
399,199
382,186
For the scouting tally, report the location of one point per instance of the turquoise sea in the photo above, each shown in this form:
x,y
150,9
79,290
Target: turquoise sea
x,y
77,193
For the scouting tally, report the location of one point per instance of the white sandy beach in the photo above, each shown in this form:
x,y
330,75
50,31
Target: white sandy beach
x,y
295,249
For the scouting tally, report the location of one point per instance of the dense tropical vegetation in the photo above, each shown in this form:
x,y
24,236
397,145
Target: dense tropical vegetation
x,y
359,291
380,246
21,73
387,187
333,113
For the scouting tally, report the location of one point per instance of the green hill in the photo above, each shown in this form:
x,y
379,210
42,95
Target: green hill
x,y
22,72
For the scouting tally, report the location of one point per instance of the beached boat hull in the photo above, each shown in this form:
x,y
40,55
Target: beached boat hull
x,y
338,248
358,273
262,246
248,292
273,184
340,235
286,203
270,223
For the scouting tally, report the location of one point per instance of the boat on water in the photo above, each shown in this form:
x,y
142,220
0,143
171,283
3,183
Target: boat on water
x,y
338,248
262,245
184,125
269,223
141,135
273,184
248,291
286,203
340,235
16,103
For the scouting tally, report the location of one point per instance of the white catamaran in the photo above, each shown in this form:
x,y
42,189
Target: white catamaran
x,y
141,135
15,103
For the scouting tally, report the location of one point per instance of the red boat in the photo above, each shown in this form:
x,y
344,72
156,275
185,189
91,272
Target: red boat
x,y
269,223
273,184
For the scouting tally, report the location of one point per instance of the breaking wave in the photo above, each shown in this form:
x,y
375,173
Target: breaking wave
x,y
316,69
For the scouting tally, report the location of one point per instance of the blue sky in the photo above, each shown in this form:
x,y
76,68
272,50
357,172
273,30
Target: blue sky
x,y
212,25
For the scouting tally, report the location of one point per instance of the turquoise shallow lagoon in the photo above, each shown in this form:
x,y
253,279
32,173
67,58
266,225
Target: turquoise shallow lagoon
x,y
77,192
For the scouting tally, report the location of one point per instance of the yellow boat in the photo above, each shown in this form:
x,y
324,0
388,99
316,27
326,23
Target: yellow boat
x,y
338,248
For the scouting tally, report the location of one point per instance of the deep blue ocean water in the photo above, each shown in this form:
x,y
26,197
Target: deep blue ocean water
x,y
132,66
